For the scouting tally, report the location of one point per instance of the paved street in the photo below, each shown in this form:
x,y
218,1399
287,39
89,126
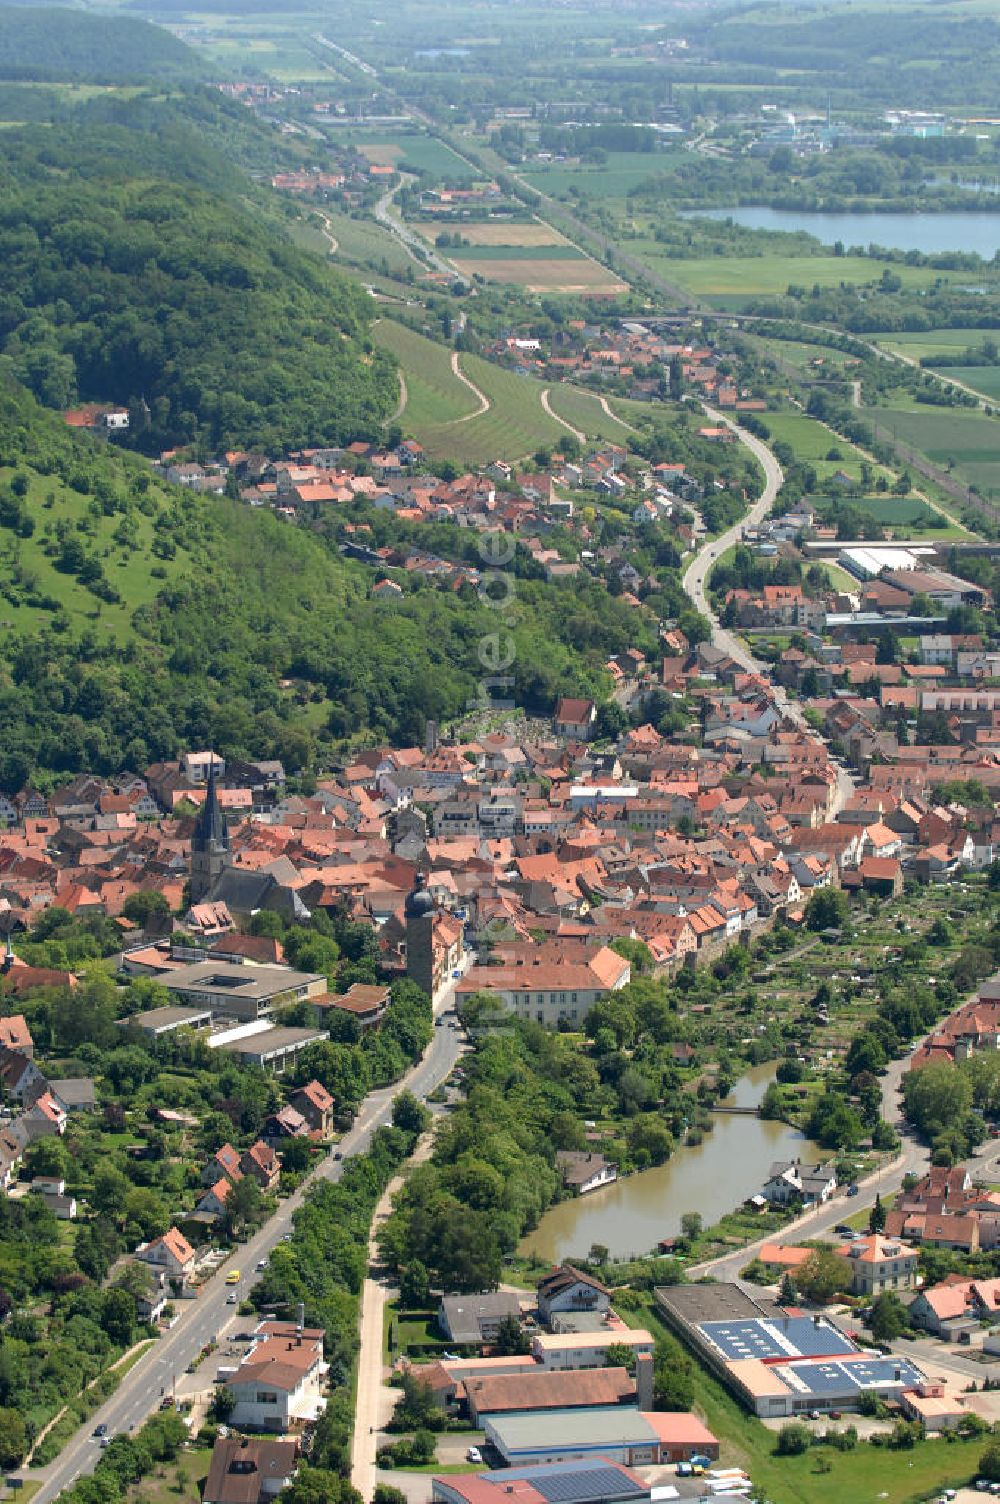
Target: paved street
x,y
202,1319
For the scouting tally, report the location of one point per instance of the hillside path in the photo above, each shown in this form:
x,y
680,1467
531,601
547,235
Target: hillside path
x,y
484,401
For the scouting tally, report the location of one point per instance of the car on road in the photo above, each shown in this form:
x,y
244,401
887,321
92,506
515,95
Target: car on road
x,y
106,1441
473,1455
852,1190
100,1430
233,1277
262,1263
232,1299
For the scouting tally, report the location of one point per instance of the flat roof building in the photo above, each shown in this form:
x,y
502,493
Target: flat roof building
x,y
241,992
636,1438
599,1481
156,1022
272,1049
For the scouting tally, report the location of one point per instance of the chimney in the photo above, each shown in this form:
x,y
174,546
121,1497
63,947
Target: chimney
x,y
301,1321
644,1381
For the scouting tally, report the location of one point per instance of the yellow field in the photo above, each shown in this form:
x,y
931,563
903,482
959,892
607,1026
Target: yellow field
x,y
511,233
381,154
569,276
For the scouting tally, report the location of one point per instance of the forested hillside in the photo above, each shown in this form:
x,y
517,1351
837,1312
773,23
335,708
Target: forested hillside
x,y
116,286
47,42
137,619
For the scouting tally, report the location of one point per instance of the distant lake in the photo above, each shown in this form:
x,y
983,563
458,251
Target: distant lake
x,y
957,230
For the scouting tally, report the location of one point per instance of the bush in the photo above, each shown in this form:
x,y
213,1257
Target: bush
x,y
793,1440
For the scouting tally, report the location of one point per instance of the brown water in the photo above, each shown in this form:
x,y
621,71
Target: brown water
x,y
713,1177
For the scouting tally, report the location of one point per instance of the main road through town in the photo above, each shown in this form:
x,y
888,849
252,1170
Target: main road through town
x,y
201,1320
695,580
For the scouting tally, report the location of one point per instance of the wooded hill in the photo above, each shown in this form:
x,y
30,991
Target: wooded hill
x,y
136,619
45,42
137,264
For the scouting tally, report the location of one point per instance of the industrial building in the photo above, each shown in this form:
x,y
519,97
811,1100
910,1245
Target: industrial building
x,y
776,1363
636,1438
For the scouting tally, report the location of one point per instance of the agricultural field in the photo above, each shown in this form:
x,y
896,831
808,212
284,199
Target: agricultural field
x,y
434,395
985,379
933,342
443,414
907,517
812,443
506,232
728,280
615,178
425,153
360,242
556,268
967,441
585,413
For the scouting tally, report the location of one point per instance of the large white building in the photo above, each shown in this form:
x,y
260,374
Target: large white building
x,y
279,1383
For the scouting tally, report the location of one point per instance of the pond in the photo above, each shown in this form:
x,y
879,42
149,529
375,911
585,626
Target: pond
x,y
957,230
713,1177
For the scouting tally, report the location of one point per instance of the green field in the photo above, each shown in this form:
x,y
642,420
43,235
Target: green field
x,y
933,342
733,278
812,443
425,153
985,379
438,407
434,396
615,178
360,243
585,413
968,440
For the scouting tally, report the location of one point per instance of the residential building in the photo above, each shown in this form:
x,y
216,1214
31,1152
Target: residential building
x,y
248,1470
474,1320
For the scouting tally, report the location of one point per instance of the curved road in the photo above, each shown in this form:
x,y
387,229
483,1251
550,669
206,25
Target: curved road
x,y
694,582
202,1319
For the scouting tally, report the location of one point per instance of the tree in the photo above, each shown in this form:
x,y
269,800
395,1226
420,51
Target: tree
x,y
118,1316
409,1114
414,1286
13,1438
888,1317
620,1355
691,1225
315,1485
794,1439
511,1340
877,1216
139,906
827,909
244,1206
989,1462
822,1275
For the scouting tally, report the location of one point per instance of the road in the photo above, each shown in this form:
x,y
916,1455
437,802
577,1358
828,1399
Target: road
x,y
694,584
415,246
202,1319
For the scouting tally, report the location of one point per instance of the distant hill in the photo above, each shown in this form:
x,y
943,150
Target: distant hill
x,y
136,261
47,43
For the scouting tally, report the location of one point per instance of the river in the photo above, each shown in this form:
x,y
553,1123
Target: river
x,y
713,1177
954,230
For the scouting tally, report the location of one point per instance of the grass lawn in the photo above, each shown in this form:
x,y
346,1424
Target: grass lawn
x,y
867,1473
812,442
170,1482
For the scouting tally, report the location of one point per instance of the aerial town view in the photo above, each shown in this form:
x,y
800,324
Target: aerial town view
x,y
499,751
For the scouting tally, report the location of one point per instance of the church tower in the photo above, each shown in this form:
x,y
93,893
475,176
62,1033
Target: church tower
x,y
210,853
419,913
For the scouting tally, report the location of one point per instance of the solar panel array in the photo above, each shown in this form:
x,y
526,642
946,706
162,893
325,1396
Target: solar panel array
x,y
786,1337
560,1485
826,1379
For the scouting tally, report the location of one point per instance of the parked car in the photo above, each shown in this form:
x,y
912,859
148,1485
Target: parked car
x,y
473,1455
852,1190
100,1430
843,1229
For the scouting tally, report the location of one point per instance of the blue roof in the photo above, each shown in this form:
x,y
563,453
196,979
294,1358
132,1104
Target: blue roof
x,y
780,1337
